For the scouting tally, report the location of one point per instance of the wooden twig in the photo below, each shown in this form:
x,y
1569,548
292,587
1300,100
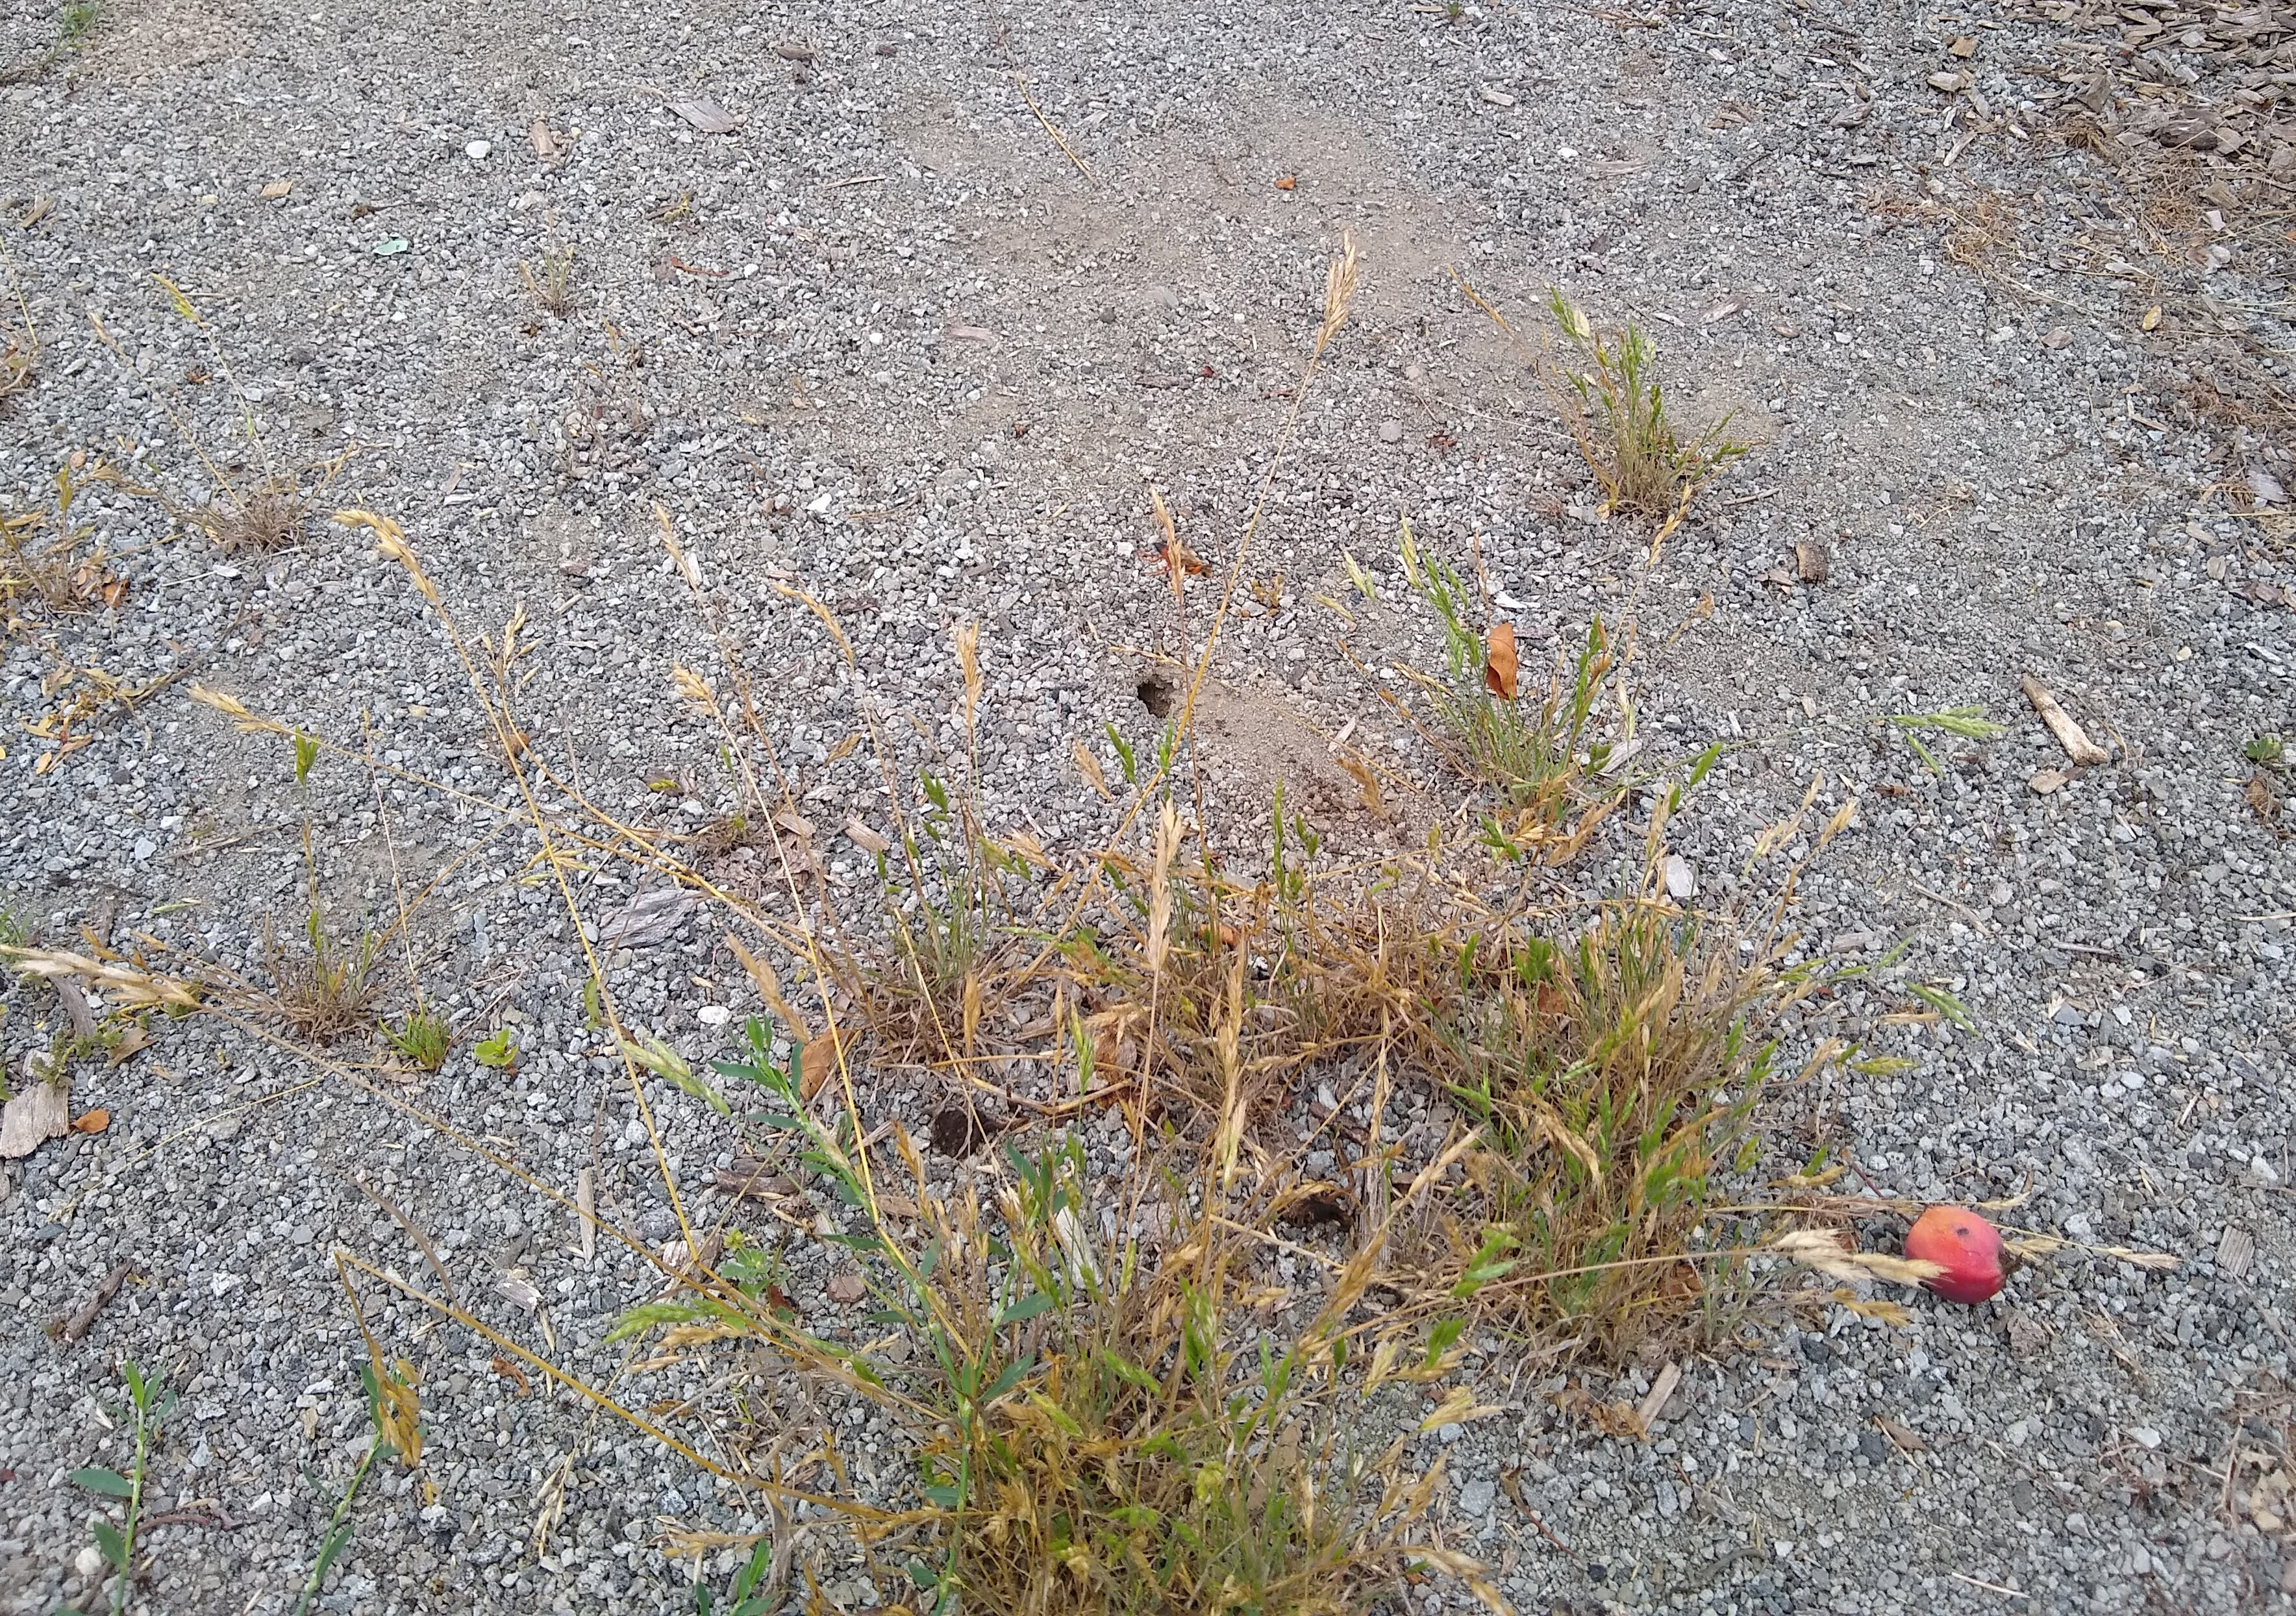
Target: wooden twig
x,y
2077,746
1059,139
70,1327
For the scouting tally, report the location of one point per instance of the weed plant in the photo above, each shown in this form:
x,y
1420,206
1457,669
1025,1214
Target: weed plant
x,y
1545,754
1616,411
550,280
149,1405
1105,1405
423,1040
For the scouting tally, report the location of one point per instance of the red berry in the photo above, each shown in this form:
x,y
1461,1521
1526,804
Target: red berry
x,y
1965,1246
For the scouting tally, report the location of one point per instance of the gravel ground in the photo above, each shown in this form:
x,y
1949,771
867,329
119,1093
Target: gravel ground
x,y
885,342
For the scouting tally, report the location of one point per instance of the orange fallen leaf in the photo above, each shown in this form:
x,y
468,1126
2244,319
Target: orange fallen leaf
x,y
1498,663
92,1122
1179,559
1287,182
818,1061
510,1371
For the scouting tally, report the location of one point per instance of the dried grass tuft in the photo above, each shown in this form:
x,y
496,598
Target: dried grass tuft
x,y
270,518
324,989
550,280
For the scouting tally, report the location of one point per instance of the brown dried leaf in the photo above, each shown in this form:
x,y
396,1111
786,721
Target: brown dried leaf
x,y
818,1061
509,1370
1907,1440
1500,669
92,1122
860,836
1618,1420
2263,801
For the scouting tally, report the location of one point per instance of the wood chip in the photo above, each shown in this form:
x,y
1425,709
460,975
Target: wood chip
x,y
2077,746
2049,780
38,1113
706,115
860,836
1661,1390
276,189
650,919
76,1006
971,333
585,1201
1811,561
2236,1252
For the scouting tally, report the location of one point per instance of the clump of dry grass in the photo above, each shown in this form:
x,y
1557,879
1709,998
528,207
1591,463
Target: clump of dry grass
x,y
49,566
267,518
324,989
1616,412
1090,1436
19,343
550,280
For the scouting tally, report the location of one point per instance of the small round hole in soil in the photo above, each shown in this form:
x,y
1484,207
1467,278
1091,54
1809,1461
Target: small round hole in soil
x,y
1156,694
957,1131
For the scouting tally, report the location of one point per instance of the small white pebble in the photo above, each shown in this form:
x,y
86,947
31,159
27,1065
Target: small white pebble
x,y
480,150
